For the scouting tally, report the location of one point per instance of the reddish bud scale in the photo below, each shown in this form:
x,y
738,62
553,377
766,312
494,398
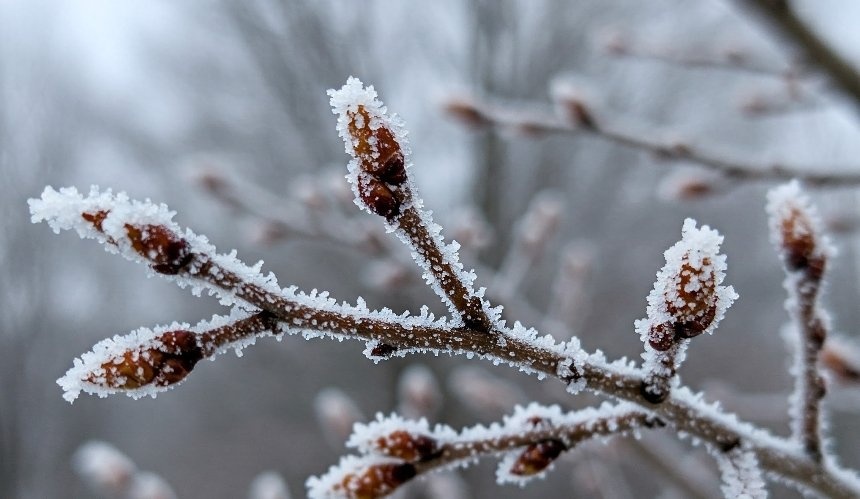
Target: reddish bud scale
x,y
169,361
168,252
408,447
377,196
699,305
800,250
377,150
537,457
376,481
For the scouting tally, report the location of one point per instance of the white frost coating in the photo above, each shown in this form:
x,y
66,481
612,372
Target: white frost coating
x,y
269,485
742,476
788,200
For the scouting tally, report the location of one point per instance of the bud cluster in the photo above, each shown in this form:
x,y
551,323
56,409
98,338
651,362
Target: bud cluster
x,y
687,300
378,170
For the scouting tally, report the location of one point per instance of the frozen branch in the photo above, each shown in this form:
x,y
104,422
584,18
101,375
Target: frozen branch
x,y
393,450
145,233
379,176
796,231
578,119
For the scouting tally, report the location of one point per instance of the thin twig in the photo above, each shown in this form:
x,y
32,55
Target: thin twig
x,y
538,122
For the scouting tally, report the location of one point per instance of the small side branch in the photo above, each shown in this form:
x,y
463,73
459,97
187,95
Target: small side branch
x,y
394,450
804,250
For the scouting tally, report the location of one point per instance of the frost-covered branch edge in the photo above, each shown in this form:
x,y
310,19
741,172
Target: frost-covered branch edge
x,y
317,315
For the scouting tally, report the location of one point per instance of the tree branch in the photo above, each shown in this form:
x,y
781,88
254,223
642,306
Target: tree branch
x,y
581,121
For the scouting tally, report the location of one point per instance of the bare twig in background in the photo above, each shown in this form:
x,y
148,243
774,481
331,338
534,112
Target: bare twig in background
x,y
579,119
814,50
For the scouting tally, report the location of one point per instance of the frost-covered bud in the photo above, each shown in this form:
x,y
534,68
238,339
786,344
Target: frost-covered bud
x,y
375,147
796,231
370,135
167,360
687,295
358,478
537,457
141,363
377,196
104,467
406,446
687,300
168,252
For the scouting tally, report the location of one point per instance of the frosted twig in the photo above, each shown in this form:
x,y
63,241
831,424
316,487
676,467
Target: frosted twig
x,y
742,476
796,231
380,181
580,120
687,300
393,450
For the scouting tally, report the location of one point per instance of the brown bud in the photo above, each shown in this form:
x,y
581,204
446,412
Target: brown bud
x,y
798,241
695,308
661,337
376,149
408,447
168,361
537,457
167,251
378,197
376,481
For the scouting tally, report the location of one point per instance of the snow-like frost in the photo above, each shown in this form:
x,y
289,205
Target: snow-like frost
x,y
742,476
